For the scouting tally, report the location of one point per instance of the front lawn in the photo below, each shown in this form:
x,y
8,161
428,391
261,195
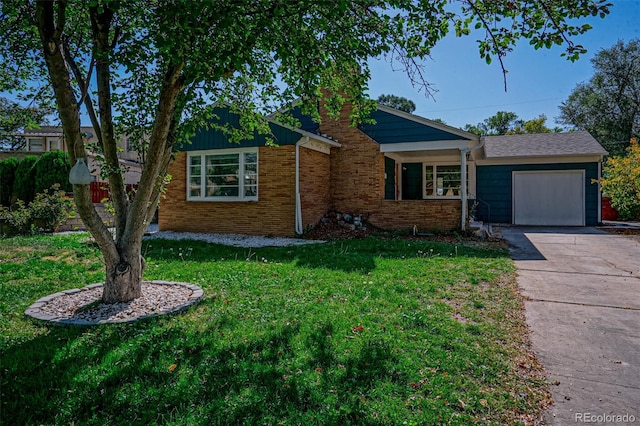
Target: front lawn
x,y
366,332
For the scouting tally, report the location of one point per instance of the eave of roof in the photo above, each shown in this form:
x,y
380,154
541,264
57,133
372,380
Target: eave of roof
x,y
315,136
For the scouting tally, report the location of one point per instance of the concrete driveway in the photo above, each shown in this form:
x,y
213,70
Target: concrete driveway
x,y
582,291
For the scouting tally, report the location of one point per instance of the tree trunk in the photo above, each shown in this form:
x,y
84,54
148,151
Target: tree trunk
x,y
123,281
123,262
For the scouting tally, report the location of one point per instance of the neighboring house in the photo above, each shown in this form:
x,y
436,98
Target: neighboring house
x,y
403,172
50,138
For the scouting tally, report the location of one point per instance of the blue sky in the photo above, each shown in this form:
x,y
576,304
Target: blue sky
x,y
469,90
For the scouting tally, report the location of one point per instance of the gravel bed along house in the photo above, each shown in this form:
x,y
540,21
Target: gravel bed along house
x,y
235,240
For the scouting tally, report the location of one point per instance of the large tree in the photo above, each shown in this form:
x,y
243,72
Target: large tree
x,y
397,102
608,104
508,123
153,70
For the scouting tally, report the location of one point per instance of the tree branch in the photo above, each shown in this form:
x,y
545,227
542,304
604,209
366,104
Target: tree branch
x,y
70,117
556,25
493,38
100,26
86,99
158,153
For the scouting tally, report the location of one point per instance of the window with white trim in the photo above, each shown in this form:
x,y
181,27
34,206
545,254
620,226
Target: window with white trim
x,y
35,145
443,181
223,176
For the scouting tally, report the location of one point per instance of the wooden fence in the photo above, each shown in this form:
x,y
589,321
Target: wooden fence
x,y
100,191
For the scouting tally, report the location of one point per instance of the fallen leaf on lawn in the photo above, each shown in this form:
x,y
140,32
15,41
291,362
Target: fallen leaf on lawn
x,y
173,367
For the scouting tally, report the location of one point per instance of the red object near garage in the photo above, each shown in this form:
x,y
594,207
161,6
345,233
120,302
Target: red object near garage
x,y
608,212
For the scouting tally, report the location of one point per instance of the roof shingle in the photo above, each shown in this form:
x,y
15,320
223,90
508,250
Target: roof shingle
x,y
542,145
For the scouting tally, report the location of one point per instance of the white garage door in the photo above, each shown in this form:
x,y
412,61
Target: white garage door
x,y
548,198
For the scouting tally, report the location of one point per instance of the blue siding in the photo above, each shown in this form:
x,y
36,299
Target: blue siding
x,y
494,186
306,122
214,139
390,128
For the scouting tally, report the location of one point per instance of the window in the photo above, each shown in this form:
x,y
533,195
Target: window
x,y
35,145
443,181
223,176
53,144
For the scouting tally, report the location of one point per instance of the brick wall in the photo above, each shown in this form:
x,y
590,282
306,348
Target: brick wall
x,y
427,215
314,185
272,214
357,183
76,224
357,167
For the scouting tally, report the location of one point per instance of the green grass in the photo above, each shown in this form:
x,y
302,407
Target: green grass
x,y
367,332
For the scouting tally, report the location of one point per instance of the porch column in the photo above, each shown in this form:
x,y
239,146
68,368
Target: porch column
x,y
463,187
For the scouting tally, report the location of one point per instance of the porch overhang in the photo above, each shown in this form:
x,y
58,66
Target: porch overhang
x,y
427,146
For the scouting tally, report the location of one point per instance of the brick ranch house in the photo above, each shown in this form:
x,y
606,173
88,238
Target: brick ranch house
x,y
404,171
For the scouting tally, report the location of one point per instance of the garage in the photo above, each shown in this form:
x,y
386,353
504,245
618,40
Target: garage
x,y
549,198
544,179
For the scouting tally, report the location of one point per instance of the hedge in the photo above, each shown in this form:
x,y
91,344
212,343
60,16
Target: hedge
x,y
7,176
52,168
24,183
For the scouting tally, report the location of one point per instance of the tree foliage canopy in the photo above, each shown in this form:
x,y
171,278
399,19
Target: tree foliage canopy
x,y
621,182
397,102
14,119
154,70
608,104
508,123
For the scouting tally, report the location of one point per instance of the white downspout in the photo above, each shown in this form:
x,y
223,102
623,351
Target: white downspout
x,y
463,183
298,204
463,187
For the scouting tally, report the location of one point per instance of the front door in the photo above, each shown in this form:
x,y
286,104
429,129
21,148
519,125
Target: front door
x,y
412,181
389,178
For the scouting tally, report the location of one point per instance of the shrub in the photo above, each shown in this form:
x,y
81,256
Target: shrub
x,y
44,214
7,176
24,183
621,182
52,168
50,208
18,218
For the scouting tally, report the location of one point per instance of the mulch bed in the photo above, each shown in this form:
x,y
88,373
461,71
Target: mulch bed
x,y
620,231
332,227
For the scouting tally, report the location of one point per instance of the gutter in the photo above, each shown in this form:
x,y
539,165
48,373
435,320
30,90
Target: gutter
x,y
463,182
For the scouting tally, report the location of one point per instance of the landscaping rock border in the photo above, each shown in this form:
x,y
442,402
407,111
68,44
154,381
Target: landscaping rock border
x,y
79,307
